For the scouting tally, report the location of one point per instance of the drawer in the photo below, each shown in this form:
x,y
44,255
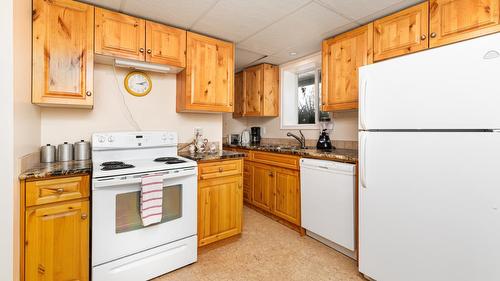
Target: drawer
x,y
56,190
220,169
276,159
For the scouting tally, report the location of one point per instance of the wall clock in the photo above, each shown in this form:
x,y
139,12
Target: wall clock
x,y
138,83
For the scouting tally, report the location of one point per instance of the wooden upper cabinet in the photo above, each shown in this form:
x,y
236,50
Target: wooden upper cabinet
x,y
342,57
119,35
238,95
165,44
63,53
261,90
401,33
207,82
253,81
456,20
57,242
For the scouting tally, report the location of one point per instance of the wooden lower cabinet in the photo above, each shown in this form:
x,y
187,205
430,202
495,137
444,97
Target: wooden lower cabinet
x,y
248,171
263,182
55,232
57,242
286,194
220,207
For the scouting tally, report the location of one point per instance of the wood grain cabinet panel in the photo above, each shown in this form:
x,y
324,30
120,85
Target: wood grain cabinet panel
x,y
165,44
342,57
63,53
119,35
456,20
263,182
220,206
220,169
287,195
247,181
207,82
261,90
57,242
56,190
401,33
239,99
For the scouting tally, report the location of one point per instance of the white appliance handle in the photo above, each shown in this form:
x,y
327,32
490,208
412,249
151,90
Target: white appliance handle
x,y
364,141
363,112
104,183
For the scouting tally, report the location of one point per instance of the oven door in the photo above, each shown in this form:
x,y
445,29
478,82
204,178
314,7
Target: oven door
x,y
117,229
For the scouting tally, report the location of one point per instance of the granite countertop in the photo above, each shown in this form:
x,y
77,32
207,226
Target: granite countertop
x,y
341,155
219,155
45,170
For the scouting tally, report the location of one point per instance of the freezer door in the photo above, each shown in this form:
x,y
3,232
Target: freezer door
x,y
429,206
452,87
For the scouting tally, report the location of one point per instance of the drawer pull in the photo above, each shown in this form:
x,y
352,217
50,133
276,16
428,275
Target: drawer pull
x,y
221,169
60,190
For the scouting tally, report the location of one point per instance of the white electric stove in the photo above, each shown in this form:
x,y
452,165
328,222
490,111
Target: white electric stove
x,y
122,248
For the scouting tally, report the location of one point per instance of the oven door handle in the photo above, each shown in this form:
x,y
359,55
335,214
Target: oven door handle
x,y
105,183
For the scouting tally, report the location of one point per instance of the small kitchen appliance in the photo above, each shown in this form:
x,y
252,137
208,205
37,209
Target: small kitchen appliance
x,y
235,139
255,135
122,247
245,137
325,127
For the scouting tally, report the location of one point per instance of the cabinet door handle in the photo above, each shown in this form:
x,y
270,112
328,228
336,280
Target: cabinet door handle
x,y
84,216
141,50
149,51
88,93
423,37
221,170
433,35
271,174
60,190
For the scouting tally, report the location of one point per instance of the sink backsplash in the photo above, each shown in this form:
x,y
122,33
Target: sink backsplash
x,y
310,142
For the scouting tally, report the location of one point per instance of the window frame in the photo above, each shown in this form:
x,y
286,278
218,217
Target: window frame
x,y
305,64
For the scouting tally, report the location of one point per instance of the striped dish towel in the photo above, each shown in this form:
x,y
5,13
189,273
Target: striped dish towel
x,y
151,199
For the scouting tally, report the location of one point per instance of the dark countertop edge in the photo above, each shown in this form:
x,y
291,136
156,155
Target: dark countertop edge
x,y
220,156
41,171
334,156
73,173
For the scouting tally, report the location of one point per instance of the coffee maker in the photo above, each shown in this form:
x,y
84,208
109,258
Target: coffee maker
x,y
255,135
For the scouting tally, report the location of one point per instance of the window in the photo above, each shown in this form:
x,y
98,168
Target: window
x,y
301,93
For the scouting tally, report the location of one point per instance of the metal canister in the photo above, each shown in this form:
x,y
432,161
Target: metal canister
x,y
65,152
82,150
48,154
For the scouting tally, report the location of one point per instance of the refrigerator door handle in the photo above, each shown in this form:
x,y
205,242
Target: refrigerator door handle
x,y
364,141
364,84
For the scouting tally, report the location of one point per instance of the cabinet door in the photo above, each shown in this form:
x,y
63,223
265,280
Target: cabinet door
x,y
63,53
247,181
342,57
263,182
401,33
119,35
206,84
238,95
57,242
165,44
287,195
220,203
457,20
253,79
271,91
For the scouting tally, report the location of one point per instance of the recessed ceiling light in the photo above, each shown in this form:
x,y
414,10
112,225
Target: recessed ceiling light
x,y
293,53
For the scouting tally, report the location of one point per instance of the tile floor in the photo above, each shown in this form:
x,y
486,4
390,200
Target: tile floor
x,y
266,251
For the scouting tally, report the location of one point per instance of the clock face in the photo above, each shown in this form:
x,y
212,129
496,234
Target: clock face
x,y
138,83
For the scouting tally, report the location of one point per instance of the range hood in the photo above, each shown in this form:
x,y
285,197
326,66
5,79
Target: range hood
x,y
139,65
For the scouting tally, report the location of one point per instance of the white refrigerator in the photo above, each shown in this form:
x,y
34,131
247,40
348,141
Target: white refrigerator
x,y
429,165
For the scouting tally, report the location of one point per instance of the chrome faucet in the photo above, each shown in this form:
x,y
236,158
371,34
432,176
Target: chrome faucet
x,y
301,139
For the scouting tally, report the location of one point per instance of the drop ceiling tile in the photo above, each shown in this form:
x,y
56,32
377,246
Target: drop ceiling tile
x,y
312,22
358,9
180,13
109,4
235,20
244,58
387,11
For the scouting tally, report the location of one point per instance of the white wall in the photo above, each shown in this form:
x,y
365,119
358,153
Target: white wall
x,y
155,111
6,142
346,125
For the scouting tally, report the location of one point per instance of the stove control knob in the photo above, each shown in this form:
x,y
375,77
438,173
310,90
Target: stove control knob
x,y
164,137
111,139
101,139
171,137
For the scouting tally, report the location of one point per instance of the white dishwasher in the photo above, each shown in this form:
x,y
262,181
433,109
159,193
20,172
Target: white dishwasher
x,y
327,199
